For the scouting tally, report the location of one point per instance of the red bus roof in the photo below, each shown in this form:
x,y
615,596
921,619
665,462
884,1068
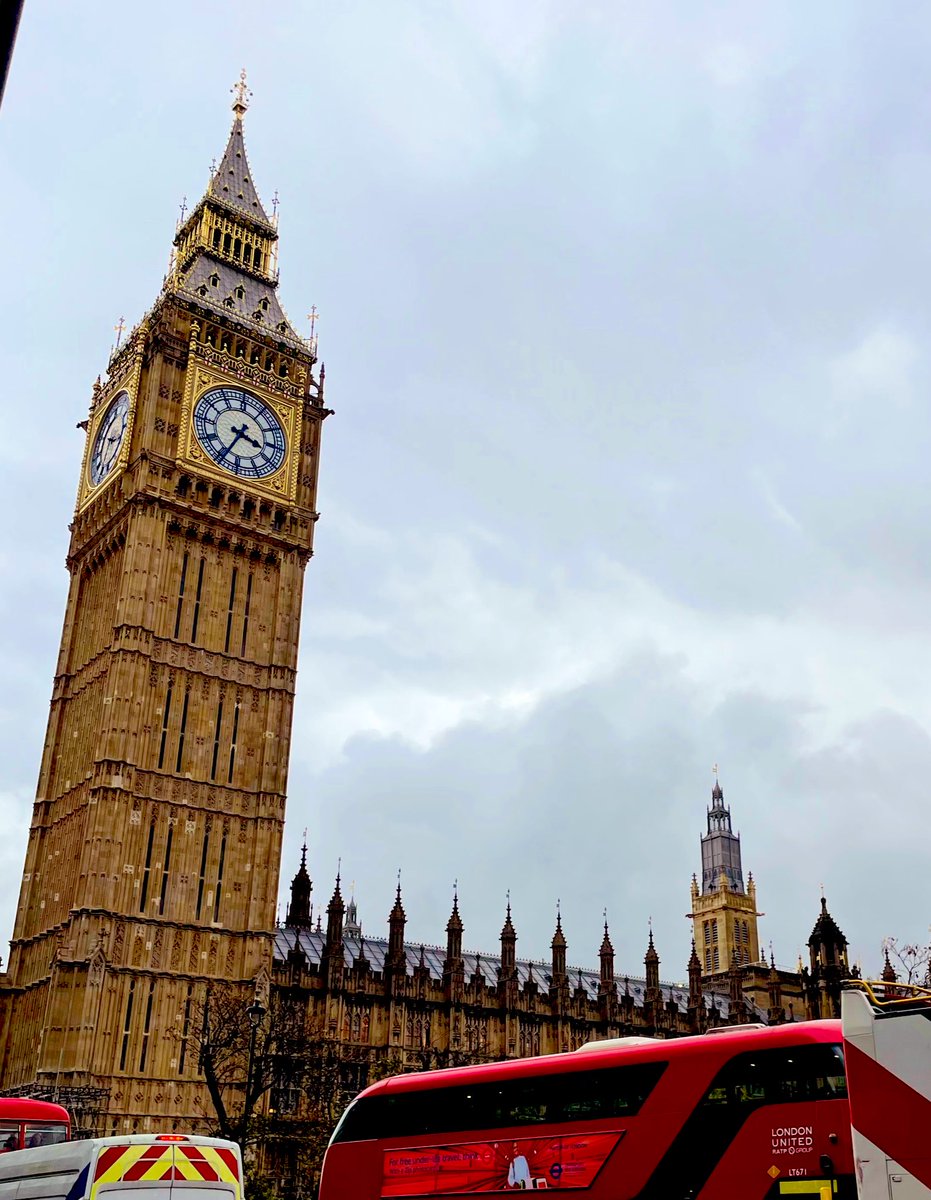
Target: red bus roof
x,y
724,1044
16,1108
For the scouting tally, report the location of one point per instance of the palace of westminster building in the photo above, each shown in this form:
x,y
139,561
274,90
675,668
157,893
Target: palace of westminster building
x,y
154,847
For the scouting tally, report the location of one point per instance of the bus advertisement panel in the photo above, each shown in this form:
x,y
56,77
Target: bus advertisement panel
x,y
757,1113
527,1164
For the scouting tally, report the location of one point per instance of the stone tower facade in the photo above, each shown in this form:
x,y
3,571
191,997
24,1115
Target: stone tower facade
x,y
153,853
724,916
828,965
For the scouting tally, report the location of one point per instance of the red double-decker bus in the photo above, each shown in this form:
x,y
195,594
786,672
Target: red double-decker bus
x,y
741,1114
26,1124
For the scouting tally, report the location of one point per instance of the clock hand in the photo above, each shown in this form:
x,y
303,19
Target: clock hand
x,y
227,449
241,433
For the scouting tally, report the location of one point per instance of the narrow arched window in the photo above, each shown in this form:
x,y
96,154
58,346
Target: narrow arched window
x,y
227,242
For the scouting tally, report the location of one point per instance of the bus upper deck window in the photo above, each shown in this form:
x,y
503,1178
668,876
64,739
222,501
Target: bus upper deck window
x,y
9,1136
45,1135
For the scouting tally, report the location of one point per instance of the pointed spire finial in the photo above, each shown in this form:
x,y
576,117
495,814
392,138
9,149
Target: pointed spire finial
x,y
241,95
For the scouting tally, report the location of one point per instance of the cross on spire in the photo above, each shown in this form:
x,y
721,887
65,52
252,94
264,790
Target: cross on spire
x,y
241,95
118,329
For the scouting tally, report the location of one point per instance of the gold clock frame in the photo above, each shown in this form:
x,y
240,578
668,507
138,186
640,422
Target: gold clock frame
x,y
281,484
128,383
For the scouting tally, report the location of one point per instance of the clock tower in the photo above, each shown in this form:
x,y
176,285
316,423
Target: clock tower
x,y
153,853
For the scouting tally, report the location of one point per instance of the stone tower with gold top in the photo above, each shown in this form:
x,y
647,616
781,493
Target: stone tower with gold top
x,y
153,853
724,915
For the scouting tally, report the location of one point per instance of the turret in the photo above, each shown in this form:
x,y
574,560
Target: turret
x,y
298,915
827,951
724,913
652,994
559,979
454,967
352,925
607,987
694,969
396,958
776,1013
696,1009
606,957
651,968
507,974
332,961
720,847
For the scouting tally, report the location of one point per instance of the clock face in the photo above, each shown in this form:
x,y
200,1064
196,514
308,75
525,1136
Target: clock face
x,y
239,432
109,438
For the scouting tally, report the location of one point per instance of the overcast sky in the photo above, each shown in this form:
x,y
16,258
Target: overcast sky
x,y
625,314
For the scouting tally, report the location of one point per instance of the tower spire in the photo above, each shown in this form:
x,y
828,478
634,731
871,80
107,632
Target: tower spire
x,y
298,914
720,846
226,248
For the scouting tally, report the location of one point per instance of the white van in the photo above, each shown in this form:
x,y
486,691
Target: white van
x,y
166,1166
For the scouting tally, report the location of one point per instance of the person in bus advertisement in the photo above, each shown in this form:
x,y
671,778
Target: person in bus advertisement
x,y
519,1171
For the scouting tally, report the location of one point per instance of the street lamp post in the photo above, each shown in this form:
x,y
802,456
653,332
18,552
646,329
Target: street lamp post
x,y
255,1012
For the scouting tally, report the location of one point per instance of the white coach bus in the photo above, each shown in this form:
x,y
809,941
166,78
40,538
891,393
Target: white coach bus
x,y
167,1166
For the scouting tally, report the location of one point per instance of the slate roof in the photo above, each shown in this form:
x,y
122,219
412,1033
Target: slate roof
x,y
312,943
232,183
205,268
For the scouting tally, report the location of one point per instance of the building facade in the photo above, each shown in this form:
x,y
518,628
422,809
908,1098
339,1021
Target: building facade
x,y
154,847
389,1000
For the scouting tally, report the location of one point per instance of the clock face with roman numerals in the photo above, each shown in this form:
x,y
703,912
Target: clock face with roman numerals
x,y
239,432
109,439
